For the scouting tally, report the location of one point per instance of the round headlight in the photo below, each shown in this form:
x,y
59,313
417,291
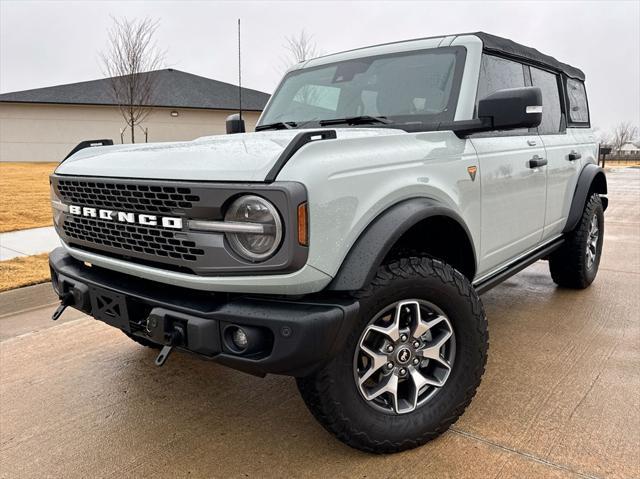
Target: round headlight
x,y
256,212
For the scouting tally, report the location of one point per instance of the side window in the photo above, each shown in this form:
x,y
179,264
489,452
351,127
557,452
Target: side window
x,y
578,110
498,74
551,111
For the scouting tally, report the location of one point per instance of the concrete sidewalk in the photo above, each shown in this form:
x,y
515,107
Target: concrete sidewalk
x,y
27,242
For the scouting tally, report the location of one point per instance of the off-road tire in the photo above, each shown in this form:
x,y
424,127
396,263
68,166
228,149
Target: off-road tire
x,y
568,264
332,396
142,341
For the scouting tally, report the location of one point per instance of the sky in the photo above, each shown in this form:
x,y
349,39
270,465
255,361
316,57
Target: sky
x,y
45,43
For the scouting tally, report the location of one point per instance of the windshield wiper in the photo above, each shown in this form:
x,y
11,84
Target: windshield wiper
x,y
280,125
356,120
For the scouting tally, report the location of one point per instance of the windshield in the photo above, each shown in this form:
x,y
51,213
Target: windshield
x,y
414,86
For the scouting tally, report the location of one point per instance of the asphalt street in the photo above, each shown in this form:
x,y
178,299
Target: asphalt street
x,y
560,398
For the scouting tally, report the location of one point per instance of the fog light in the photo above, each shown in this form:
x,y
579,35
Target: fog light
x,y
250,341
240,339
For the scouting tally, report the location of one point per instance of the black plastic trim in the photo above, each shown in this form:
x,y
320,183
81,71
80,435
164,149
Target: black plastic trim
x,y
300,140
586,179
493,281
88,144
305,332
370,249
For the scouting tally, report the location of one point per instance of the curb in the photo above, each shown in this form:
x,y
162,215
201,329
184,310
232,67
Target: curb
x,y
27,298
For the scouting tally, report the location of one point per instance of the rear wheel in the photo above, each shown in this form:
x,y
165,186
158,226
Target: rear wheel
x,y
411,365
575,264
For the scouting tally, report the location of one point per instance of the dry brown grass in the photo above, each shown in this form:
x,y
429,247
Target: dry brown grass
x,y
24,195
18,272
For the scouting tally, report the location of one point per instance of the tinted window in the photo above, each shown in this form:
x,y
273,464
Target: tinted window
x,y
578,111
498,74
551,112
404,87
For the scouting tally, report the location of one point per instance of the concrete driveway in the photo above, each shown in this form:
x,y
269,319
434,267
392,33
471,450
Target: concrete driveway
x,y
560,398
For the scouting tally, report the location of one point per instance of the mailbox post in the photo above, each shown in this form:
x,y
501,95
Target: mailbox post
x,y
603,151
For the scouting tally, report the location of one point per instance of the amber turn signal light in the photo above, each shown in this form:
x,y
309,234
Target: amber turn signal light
x,y
303,224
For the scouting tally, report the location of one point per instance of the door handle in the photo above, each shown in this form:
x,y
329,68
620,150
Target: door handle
x,y
574,155
537,161
531,142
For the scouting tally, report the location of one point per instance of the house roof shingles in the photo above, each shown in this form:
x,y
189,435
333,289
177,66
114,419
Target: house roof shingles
x,y
174,89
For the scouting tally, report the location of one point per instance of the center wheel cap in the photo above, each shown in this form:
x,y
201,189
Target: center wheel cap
x,y
404,355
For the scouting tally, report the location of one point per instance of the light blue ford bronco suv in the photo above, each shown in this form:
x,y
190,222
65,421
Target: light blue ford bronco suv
x,y
346,241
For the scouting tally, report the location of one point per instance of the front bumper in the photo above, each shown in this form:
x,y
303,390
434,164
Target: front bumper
x,y
296,336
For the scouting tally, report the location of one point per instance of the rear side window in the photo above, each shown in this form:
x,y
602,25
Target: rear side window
x,y
551,111
577,98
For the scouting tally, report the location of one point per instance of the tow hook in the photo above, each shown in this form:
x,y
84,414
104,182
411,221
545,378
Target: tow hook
x,y
66,300
175,337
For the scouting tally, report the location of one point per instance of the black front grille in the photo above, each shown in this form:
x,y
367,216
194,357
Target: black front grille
x,y
157,242
182,250
126,197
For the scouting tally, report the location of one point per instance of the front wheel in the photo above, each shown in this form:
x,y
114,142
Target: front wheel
x,y
411,365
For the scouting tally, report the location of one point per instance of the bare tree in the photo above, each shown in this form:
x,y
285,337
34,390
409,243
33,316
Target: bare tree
x,y
623,133
299,48
131,61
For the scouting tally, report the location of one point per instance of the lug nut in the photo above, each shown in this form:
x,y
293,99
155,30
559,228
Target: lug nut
x,y
389,365
403,337
402,372
389,349
416,361
416,344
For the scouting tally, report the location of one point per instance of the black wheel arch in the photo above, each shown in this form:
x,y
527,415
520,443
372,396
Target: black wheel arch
x,y
592,179
397,224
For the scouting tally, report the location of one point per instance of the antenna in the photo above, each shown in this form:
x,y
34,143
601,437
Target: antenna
x,y
239,75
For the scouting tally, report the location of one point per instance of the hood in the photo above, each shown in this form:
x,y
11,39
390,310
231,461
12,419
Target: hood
x,y
239,157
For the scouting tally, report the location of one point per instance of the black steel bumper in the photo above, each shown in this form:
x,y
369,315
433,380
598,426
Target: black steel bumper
x,y
295,336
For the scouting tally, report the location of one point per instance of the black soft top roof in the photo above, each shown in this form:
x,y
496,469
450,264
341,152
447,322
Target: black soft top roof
x,y
510,48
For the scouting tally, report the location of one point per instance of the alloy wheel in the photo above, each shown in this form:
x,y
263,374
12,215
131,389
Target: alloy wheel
x,y
592,242
404,356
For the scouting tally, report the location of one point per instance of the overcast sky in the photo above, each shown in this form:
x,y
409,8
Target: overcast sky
x,y
50,43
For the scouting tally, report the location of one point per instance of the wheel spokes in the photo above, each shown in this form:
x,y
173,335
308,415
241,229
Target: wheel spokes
x,y
378,360
433,352
393,330
419,382
423,326
389,385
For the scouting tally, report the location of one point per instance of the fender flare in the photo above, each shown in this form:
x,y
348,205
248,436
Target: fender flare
x,y
374,243
591,180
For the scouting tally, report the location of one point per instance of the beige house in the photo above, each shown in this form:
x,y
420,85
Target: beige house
x,y
46,123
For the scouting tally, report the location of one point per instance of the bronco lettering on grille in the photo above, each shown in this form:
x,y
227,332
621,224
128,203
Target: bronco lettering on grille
x,y
122,217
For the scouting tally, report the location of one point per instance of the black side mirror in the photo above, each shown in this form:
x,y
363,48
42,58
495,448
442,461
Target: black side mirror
x,y
235,124
512,108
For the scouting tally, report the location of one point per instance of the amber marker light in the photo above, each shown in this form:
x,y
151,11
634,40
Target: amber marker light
x,y
303,224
